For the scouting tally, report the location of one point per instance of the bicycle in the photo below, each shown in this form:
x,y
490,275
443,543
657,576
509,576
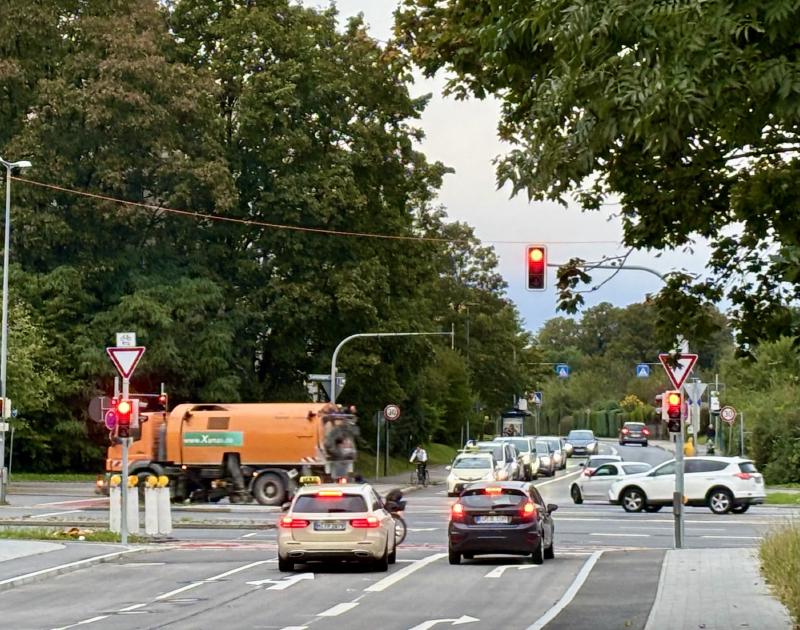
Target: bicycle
x,y
420,477
395,507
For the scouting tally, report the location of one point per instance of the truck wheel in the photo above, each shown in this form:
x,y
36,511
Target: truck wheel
x,y
269,489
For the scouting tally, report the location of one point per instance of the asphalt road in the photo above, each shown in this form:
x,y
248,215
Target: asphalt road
x,y
229,578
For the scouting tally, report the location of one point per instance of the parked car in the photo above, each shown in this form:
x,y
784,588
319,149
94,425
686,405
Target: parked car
x,y
505,456
468,468
583,442
502,517
634,433
559,454
547,463
722,484
528,458
336,522
595,485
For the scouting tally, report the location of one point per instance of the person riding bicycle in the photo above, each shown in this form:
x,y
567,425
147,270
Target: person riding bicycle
x,y
420,455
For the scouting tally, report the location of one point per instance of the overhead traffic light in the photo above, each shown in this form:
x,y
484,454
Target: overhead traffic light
x,y
537,267
672,409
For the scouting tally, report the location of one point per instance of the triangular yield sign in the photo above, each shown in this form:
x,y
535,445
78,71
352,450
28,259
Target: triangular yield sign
x,y
680,371
125,359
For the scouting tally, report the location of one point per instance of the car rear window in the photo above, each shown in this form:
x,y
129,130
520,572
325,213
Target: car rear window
x,y
473,462
636,426
312,503
748,467
480,499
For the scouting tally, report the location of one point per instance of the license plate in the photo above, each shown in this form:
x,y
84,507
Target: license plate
x,y
329,526
487,520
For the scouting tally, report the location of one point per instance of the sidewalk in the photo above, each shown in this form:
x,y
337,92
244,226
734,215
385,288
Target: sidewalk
x,y
715,589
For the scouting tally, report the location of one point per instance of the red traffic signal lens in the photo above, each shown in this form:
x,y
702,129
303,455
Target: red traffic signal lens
x,y
162,399
124,407
536,255
674,399
537,267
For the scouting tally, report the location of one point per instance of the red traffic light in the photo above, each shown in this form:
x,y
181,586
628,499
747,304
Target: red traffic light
x,y
124,409
162,399
537,267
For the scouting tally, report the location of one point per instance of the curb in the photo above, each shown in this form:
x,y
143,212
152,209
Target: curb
x,y
260,525
43,574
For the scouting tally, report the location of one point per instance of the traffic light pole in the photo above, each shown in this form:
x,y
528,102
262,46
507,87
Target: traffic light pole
x,y
677,497
123,527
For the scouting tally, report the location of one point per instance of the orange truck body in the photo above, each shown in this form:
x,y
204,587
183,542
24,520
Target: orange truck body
x,y
285,439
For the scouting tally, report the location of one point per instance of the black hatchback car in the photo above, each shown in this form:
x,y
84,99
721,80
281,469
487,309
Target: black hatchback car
x,y
501,517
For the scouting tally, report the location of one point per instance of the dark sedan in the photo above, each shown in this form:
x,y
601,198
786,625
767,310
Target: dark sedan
x,y
583,442
507,517
633,433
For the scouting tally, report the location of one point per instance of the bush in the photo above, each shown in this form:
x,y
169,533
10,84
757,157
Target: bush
x,y
780,566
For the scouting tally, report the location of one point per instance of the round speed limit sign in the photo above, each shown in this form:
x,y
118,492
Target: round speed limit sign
x,y
727,414
391,412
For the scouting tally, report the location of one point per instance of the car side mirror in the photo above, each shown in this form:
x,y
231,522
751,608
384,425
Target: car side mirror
x,y
551,507
285,507
448,467
582,464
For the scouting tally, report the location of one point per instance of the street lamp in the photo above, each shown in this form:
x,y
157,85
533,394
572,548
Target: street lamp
x,y
10,166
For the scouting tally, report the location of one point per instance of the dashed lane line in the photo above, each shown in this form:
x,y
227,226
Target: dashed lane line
x,y
403,573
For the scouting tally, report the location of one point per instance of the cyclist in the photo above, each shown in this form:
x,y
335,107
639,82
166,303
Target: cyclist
x,y
420,455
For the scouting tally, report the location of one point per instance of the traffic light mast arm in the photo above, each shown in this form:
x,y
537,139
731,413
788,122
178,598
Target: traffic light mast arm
x,y
661,276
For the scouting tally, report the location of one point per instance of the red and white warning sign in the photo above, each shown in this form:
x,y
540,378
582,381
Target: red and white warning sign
x,y
678,370
125,359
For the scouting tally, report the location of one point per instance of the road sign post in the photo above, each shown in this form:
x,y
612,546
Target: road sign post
x,y
125,357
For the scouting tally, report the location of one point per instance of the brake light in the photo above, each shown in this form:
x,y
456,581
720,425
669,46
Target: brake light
x,y
625,430
743,475
287,522
457,512
646,431
365,523
528,511
330,493
493,490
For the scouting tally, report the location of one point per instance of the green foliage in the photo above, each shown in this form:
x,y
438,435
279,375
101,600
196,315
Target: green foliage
x,y
684,112
780,564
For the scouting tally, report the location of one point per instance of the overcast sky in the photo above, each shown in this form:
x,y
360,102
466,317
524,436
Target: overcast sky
x,y
462,134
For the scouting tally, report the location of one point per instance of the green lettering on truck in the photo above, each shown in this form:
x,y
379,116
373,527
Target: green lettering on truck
x,y
213,438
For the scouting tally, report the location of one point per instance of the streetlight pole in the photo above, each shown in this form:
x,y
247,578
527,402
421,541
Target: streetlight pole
x,y
356,336
10,166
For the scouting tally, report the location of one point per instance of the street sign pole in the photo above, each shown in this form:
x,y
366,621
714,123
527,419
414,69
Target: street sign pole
x,y
378,445
123,529
677,497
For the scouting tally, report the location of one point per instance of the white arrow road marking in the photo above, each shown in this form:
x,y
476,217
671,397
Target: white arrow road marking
x,y
498,571
453,622
283,583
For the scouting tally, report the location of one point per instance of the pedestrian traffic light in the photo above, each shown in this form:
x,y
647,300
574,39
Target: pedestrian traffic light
x,y
672,409
161,402
537,267
124,411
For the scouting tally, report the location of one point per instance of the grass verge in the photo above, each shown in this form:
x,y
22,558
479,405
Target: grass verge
x,y
437,454
783,498
68,534
62,477
780,565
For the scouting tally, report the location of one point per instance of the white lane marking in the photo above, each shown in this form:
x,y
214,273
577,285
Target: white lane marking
x,y
570,593
337,610
554,479
295,628
386,582
622,535
735,537
250,535
84,622
426,625
144,564
498,571
283,583
424,529
188,587
55,513
71,565
134,607
664,520
68,502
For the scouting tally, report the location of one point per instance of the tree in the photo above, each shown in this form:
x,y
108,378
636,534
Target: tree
x,y
687,113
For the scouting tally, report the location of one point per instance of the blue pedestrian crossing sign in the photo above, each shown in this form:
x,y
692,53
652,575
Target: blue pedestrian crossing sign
x,y
537,398
643,370
562,370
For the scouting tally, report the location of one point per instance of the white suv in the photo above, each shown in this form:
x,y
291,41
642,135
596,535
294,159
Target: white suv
x,y
721,483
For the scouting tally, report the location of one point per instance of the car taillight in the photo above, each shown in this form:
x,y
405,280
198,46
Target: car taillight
x,y
365,523
288,522
457,512
625,430
743,475
528,511
645,431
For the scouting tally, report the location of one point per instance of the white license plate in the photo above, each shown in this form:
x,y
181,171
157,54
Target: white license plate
x,y
329,526
487,520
